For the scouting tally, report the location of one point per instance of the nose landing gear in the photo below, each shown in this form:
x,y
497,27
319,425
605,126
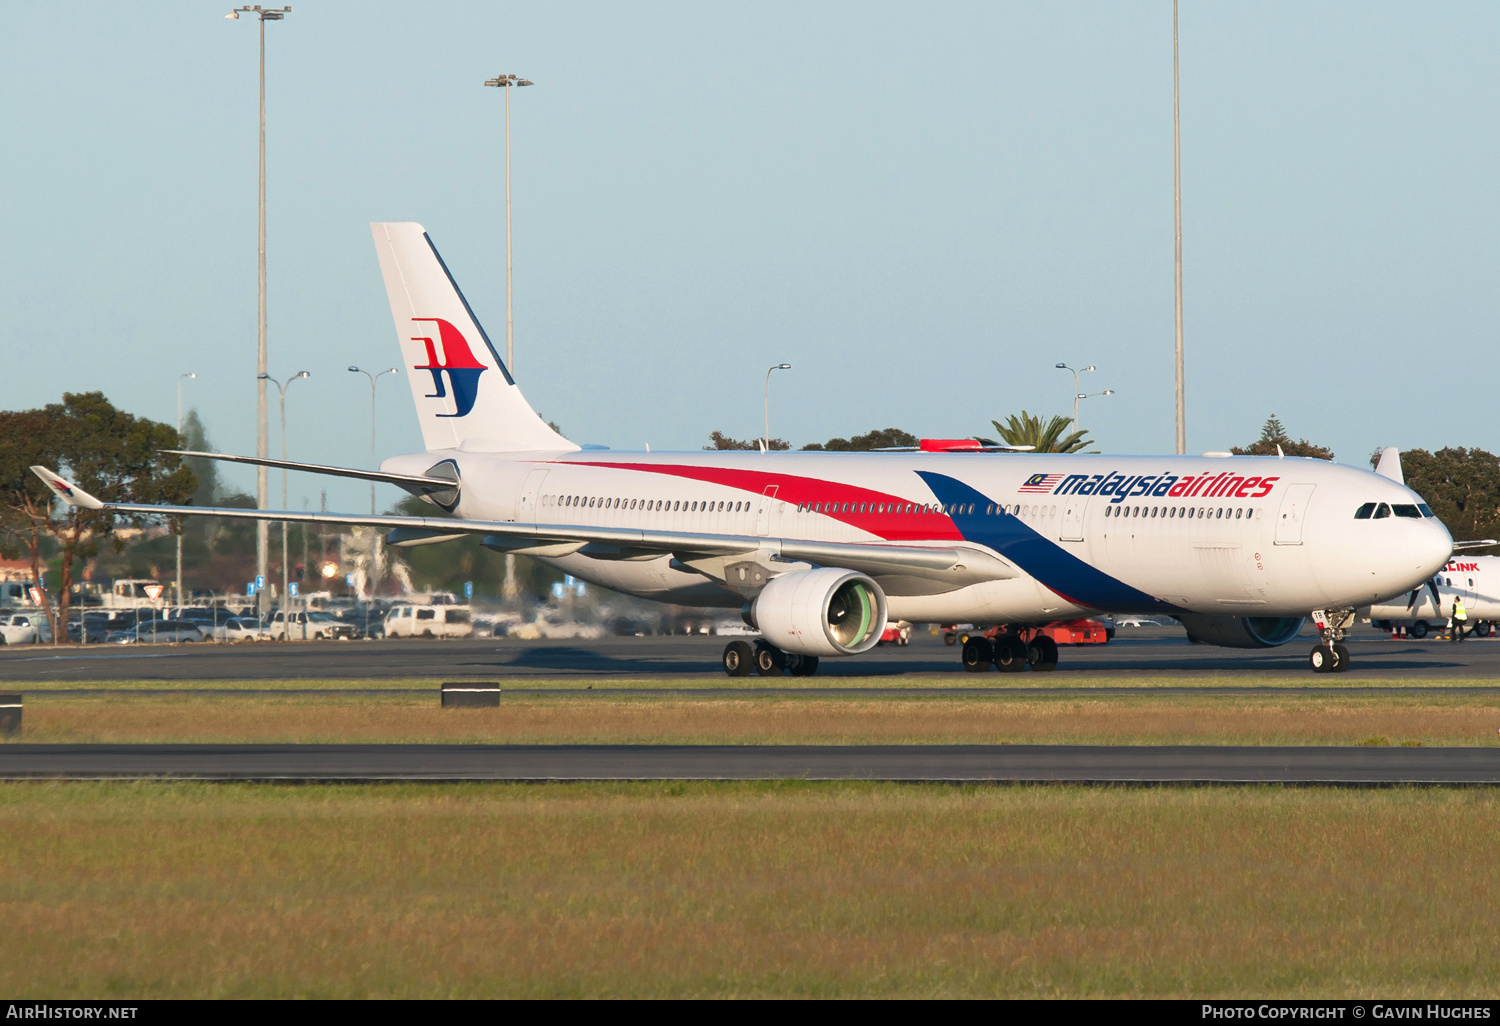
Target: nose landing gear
x,y
1330,655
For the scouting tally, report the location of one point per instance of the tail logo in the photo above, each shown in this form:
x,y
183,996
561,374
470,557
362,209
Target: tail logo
x,y
458,363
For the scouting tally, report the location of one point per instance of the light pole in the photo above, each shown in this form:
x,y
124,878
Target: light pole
x,y
281,387
262,539
191,377
375,538
1079,395
507,82
766,440
1177,218
1081,370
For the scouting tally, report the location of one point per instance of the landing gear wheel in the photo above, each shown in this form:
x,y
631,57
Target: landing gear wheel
x,y
1417,630
1010,654
801,665
769,661
739,659
979,654
1324,658
1482,629
1341,659
949,639
1041,654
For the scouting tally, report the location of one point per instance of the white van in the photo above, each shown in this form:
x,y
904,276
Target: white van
x,y
429,622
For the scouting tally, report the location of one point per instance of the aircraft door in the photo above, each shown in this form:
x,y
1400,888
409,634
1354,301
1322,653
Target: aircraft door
x,y
531,493
1293,513
1072,521
763,510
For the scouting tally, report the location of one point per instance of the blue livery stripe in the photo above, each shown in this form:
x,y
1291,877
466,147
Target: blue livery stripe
x,y
1045,560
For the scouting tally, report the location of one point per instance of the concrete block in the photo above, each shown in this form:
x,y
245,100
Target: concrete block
x,y
464,696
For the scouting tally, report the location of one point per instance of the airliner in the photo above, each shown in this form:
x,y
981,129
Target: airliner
x,y
820,550
1472,580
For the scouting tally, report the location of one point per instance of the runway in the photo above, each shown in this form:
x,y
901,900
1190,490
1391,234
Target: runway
x,y
1134,652
915,763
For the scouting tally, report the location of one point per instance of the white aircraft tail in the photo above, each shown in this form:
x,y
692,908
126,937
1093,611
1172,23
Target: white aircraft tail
x,y
465,396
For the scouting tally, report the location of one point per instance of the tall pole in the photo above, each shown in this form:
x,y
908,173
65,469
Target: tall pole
x,y
180,602
262,536
1177,214
1075,371
281,387
375,540
766,438
510,312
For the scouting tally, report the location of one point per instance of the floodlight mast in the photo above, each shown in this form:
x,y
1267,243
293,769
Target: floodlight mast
x,y
262,536
507,82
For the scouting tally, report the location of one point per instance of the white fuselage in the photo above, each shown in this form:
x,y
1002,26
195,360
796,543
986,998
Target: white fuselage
x,y
1248,536
1472,580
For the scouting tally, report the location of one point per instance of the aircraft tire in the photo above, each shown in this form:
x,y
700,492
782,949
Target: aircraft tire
x,y
979,655
1417,629
769,662
949,639
739,659
801,665
1322,659
1041,654
1482,629
1341,659
1010,654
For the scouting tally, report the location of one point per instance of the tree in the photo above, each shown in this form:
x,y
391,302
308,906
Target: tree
x,y
116,457
1461,485
1043,436
26,440
880,438
1272,435
720,440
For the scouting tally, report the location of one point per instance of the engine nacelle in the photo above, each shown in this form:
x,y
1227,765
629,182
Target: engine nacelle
x,y
827,612
1241,631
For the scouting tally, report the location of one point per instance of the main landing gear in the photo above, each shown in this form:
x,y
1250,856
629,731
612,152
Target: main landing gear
x,y
1330,655
741,659
1009,652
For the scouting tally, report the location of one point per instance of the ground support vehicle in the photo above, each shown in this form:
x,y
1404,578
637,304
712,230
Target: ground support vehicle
x,y
310,625
429,622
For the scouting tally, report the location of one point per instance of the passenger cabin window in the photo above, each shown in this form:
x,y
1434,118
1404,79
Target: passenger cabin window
x,y
1409,511
1364,512
1382,511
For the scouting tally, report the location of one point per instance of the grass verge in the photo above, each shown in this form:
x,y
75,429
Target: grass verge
x,y
650,890
815,718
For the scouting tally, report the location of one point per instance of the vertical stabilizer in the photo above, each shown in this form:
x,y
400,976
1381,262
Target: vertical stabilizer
x,y
1390,464
464,393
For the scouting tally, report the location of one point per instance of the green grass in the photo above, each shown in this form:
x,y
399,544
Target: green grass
x,y
813,717
650,890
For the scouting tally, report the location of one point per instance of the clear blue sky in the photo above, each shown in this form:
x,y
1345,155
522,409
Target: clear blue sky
x,y
922,207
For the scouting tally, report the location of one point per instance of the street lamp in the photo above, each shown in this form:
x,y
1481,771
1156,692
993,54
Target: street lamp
x,y
375,542
190,377
1076,397
766,441
281,387
507,82
262,540
1079,395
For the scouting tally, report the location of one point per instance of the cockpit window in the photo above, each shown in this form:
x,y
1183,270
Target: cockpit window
x,y
1382,511
1363,513
1407,511
1426,509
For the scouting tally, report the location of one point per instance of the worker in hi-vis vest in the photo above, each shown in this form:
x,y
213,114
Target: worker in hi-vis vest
x,y
1459,616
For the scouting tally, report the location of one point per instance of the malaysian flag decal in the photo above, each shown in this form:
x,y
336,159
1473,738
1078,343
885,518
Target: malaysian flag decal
x,y
1040,483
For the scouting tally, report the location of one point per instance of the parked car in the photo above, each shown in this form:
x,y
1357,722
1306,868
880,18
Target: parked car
x,y
429,622
91,627
241,628
312,625
25,629
157,632
369,622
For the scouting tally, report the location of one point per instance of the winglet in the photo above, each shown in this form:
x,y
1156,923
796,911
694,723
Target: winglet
x,y
71,494
1390,464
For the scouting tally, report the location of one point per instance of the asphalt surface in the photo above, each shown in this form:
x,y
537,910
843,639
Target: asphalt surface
x,y
983,763
1135,652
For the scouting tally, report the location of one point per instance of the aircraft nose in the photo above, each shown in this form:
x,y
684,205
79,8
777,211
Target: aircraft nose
x,y
1432,548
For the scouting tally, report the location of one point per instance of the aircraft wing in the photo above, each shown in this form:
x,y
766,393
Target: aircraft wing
x,y
948,565
417,484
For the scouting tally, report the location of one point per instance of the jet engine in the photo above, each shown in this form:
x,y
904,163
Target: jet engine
x,y
827,612
1241,631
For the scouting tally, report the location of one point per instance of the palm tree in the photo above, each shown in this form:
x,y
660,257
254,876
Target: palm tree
x,y
1043,437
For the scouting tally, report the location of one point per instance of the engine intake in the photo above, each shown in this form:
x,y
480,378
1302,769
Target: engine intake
x,y
827,612
1241,631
